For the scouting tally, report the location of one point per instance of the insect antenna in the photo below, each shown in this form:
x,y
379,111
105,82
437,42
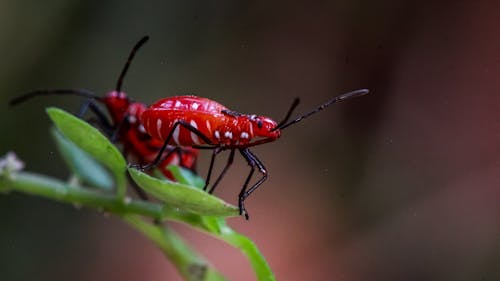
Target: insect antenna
x,y
336,99
76,92
127,64
289,113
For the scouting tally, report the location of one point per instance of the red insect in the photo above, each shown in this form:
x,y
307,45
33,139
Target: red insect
x,y
190,121
125,126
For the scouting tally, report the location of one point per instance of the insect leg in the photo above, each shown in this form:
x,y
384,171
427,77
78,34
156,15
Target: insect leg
x,y
212,160
180,153
112,132
103,121
84,108
159,157
219,178
188,159
116,130
254,162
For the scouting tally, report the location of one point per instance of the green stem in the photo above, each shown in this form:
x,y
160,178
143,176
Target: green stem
x,y
43,186
121,186
191,266
218,228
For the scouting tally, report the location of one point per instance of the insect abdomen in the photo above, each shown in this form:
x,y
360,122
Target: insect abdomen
x,y
159,124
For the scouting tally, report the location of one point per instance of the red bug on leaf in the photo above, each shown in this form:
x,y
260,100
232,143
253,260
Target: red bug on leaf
x,y
125,126
190,121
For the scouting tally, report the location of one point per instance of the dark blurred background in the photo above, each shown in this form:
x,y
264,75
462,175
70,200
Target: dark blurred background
x,y
403,184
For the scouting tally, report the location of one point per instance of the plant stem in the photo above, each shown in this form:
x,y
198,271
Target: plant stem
x,y
51,188
190,265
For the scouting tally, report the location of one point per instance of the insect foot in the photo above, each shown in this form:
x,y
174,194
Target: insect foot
x,y
139,167
243,211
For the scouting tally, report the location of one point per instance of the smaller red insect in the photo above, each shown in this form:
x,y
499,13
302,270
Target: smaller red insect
x,y
125,126
190,121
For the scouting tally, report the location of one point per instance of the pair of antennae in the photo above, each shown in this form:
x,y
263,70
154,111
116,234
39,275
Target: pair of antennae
x,y
88,94
83,92
284,123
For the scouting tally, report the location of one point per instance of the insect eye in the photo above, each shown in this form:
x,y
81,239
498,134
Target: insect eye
x,y
259,124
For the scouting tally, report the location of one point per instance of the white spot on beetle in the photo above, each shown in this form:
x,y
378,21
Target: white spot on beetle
x,y
193,123
132,119
167,104
158,128
194,137
228,134
174,160
195,106
217,135
178,104
244,135
141,129
208,126
133,110
176,133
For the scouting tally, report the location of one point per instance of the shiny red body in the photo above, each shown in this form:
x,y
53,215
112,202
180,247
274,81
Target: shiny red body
x,y
136,141
220,125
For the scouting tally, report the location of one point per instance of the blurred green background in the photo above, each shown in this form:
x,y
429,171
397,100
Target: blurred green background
x,y
403,184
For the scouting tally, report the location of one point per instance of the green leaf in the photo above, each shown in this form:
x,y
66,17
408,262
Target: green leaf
x,y
218,228
82,164
183,197
249,249
186,177
93,142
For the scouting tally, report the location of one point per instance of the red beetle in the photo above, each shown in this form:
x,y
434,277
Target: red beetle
x,y
125,126
190,121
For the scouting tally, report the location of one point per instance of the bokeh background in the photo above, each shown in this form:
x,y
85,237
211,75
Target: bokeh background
x,y
403,184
